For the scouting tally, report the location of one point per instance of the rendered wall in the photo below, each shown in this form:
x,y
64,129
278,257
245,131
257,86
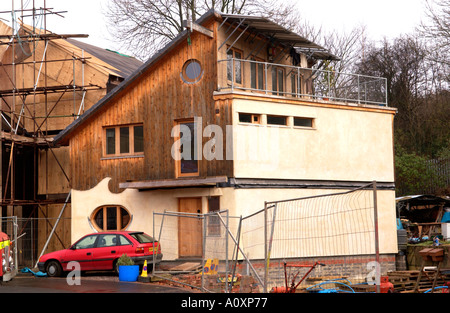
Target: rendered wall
x,y
239,202
344,144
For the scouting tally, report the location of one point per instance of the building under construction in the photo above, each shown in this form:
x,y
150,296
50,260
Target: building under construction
x,y
47,80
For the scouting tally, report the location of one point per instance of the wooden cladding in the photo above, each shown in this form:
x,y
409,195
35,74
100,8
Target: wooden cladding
x,y
156,99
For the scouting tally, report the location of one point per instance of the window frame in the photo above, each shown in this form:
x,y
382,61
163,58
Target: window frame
x,y
296,84
117,141
286,120
104,227
234,59
213,220
258,65
184,74
255,118
313,121
277,83
178,165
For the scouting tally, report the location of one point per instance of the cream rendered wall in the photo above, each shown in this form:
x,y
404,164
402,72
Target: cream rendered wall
x,y
239,202
344,144
140,205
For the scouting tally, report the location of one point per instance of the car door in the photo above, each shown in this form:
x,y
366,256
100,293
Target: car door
x,y
81,252
125,246
105,252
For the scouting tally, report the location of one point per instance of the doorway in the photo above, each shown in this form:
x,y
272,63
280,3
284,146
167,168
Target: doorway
x,y
190,230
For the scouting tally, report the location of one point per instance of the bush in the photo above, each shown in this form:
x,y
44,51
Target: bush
x,y
125,260
413,174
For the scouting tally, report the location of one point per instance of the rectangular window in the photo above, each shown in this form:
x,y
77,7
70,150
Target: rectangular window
x,y
295,85
249,118
138,138
110,141
187,161
124,140
277,81
234,67
276,120
213,220
303,122
257,75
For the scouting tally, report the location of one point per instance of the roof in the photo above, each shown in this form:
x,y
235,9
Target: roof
x,y
123,65
258,24
269,29
423,200
107,61
128,80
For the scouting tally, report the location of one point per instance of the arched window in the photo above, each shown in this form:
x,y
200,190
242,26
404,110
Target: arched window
x,y
110,217
192,71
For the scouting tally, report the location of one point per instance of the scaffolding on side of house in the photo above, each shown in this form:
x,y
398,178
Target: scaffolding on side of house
x,y
34,107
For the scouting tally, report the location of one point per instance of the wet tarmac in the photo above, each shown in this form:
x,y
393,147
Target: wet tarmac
x,y
96,283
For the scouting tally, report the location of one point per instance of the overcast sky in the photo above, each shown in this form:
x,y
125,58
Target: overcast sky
x,y
383,18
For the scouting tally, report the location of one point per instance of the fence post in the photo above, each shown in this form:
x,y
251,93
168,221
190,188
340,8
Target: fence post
x,y
265,248
377,247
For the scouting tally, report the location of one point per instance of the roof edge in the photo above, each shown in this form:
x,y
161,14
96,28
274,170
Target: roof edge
x,y
62,137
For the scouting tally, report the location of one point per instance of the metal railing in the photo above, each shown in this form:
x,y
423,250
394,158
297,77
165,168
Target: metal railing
x,y
293,81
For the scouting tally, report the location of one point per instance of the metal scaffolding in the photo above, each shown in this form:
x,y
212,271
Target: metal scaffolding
x,y
26,110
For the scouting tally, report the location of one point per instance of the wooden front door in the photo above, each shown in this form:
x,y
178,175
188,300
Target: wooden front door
x,y
190,239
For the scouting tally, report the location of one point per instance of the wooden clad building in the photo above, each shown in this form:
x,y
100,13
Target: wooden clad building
x,y
228,82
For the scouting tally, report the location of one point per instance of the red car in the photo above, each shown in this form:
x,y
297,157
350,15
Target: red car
x,y
100,251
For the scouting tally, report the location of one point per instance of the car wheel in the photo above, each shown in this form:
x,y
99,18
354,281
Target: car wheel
x,y
116,267
53,269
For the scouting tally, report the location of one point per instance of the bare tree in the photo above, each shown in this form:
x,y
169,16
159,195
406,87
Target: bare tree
x,y
435,32
145,26
437,27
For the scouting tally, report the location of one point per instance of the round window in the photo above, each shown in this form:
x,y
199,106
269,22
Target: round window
x,y
192,71
110,217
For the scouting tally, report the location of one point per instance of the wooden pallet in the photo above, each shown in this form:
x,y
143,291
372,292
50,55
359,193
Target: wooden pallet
x,y
405,281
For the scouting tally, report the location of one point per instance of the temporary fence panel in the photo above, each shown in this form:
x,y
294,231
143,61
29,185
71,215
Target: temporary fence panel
x,y
181,238
32,234
208,262
338,230
8,225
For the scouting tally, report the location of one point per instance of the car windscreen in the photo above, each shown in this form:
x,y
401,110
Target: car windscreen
x,y
142,238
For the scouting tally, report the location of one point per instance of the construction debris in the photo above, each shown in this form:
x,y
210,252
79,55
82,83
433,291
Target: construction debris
x,y
405,281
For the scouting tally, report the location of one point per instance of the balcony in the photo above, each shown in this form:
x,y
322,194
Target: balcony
x,y
281,80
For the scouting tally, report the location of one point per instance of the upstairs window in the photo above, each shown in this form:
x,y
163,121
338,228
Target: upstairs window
x,y
234,67
186,149
124,140
278,81
276,120
249,118
192,71
257,74
303,122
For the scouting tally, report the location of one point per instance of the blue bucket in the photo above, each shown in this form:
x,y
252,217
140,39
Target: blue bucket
x,y
128,272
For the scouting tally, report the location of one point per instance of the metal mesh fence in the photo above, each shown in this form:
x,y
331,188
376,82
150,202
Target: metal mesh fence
x,y
337,230
33,235
201,251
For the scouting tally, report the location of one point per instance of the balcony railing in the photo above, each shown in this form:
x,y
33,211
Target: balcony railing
x,y
292,81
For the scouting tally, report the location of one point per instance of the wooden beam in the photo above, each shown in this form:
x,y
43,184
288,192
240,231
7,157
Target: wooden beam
x,y
175,183
24,140
203,30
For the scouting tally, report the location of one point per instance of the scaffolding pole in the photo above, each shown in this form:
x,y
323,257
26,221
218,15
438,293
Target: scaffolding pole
x,y
54,228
